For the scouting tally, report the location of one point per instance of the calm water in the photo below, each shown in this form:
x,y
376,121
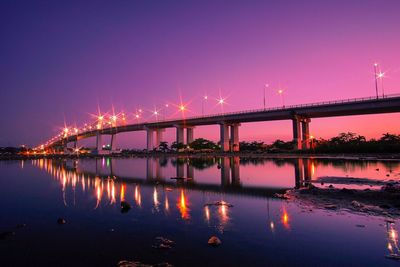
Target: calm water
x,y
256,231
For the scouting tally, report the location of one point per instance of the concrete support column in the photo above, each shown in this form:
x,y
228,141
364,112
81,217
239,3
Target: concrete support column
x,y
235,170
224,137
179,134
180,170
149,169
189,135
190,171
113,142
298,172
235,137
305,133
99,142
150,141
75,145
296,133
225,171
307,171
159,137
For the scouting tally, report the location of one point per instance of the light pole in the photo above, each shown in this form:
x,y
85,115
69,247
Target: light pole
x,y
265,88
381,75
221,102
376,79
280,91
202,104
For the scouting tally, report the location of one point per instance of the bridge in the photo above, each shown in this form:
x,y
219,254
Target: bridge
x,y
229,123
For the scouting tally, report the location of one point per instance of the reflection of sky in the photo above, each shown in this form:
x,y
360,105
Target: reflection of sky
x,y
327,238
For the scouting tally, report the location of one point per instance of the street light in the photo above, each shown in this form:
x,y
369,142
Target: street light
x,y
376,79
280,91
265,87
202,104
381,75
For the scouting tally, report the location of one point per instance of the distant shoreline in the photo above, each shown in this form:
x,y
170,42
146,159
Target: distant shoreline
x,y
355,156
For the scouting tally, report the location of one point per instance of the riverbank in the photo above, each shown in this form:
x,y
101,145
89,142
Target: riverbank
x,y
244,154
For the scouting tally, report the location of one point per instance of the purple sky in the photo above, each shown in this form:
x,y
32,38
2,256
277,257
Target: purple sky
x,y
62,59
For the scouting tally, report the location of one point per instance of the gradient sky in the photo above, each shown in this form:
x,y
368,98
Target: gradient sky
x,y
61,59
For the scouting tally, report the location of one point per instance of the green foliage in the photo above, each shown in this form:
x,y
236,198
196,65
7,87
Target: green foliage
x,y
201,144
353,143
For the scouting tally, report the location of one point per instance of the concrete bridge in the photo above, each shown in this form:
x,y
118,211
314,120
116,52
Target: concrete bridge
x,y
229,123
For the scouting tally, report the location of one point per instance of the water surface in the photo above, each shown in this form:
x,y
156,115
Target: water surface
x,y
258,230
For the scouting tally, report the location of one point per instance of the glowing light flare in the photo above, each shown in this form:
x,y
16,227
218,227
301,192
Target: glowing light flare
x,y
123,189
183,206
166,203
138,198
113,200
207,213
381,75
272,226
155,198
285,218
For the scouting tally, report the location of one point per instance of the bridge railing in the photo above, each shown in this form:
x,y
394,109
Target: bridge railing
x,y
322,103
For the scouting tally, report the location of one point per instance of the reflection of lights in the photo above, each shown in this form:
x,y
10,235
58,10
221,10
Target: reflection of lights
x,y
166,203
123,188
138,198
312,168
182,206
155,198
392,241
223,214
113,200
272,225
393,234
207,213
285,218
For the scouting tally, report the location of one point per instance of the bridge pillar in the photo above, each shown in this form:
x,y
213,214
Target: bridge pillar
x,y
150,141
189,171
235,137
99,142
159,137
296,133
149,169
225,171
113,142
179,134
189,135
235,170
180,170
307,171
305,133
224,137
298,172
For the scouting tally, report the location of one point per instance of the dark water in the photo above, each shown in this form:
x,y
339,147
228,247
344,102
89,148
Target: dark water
x,y
256,231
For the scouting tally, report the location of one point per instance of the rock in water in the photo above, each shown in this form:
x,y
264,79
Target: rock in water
x,y
163,243
5,235
331,207
61,221
214,241
125,206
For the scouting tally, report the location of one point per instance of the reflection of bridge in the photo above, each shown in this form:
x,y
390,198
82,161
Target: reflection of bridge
x,y
185,175
300,115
